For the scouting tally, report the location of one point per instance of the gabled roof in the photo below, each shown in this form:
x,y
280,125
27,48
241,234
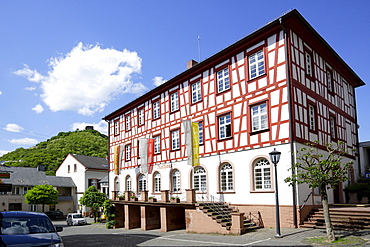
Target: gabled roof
x,y
29,176
292,20
104,180
91,162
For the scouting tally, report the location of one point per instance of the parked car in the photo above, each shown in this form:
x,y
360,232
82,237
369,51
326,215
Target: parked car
x,y
21,228
75,219
54,215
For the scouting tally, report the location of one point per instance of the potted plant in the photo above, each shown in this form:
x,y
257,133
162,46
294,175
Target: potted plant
x,y
174,199
121,198
152,199
134,198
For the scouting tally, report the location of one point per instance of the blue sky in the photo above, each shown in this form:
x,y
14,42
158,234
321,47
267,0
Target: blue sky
x,y
65,64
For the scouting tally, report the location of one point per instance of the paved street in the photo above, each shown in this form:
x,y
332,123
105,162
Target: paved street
x,y
98,235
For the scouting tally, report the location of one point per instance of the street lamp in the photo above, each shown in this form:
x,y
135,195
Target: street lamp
x,y
275,157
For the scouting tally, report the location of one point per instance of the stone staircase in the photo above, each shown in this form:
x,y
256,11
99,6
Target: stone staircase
x,y
342,218
221,213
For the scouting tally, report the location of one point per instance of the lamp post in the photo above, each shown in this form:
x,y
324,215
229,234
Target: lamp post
x,y
275,157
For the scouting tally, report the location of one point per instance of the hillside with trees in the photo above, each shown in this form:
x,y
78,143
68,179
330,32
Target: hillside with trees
x,y
52,152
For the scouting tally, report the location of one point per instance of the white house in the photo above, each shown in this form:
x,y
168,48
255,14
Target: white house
x,y
85,171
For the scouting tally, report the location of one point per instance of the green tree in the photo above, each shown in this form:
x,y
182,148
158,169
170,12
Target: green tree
x,y
110,213
44,194
93,199
323,170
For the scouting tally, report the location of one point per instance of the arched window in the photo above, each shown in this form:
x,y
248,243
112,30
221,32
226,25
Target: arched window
x,y
157,182
262,174
128,183
175,181
116,184
141,183
200,179
226,177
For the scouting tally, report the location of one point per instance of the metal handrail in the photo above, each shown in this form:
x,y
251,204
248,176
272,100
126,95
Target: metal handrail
x,y
304,202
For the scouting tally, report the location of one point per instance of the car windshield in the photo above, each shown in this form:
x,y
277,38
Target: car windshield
x,y
20,225
77,216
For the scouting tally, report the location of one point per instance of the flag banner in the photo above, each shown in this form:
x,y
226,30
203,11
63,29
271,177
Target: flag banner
x,y
121,150
143,143
116,159
195,144
188,140
150,155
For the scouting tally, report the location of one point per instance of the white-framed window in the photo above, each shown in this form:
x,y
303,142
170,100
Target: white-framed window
x,y
141,117
200,179
196,93
157,144
312,117
26,189
157,109
262,175
33,208
128,183
201,133
259,117
174,101
142,183
332,128
75,168
127,152
16,190
128,122
175,139
224,126
256,64
223,80
226,178
308,63
157,182
116,127
329,80
69,169
176,181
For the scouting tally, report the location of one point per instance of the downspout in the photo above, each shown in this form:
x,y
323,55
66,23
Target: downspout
x,y
108,157
357,139
289,94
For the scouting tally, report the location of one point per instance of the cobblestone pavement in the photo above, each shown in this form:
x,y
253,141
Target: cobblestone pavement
x,y
98,235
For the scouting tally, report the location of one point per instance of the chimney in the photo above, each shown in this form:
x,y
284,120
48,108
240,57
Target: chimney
x,y
191,64
40,168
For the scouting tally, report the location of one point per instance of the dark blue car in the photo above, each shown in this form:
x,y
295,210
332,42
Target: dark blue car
x,y
20,228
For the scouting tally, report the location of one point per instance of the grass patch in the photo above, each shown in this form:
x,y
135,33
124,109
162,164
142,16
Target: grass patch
x,y
340,241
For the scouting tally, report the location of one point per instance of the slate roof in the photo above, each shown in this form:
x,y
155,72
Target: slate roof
x,y
29,176
104,180
92,162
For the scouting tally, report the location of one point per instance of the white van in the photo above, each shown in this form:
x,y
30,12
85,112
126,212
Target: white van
x,y
75,219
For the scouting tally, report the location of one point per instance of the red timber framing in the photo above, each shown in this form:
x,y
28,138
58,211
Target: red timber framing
x,y
260,90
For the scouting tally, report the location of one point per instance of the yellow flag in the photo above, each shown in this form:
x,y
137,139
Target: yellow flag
x,y
195,142
116,159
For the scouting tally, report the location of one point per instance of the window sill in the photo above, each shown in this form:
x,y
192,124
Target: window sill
x,y
259,131
256,78
262,191
225,192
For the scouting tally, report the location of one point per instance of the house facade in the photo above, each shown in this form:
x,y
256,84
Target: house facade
x,y
23,179
85,171
279,87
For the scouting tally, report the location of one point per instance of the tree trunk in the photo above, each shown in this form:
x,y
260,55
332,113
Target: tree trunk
x,y
43,208
325,205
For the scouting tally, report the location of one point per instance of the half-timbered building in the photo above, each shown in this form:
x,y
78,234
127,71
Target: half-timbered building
x,y
279,87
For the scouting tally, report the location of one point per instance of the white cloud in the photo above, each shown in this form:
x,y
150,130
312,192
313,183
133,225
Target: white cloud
x,y
12,127
30,88
38,108
87,78
31,75
2,152
1,93
158,80
24,141
102,126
